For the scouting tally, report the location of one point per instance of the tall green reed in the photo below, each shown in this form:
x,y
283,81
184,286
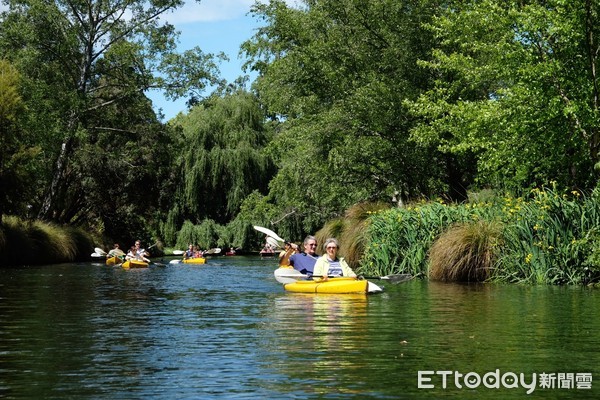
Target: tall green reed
x,y
400,238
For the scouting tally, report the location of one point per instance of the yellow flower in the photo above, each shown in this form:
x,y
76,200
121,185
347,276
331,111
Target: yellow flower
x,y
528,258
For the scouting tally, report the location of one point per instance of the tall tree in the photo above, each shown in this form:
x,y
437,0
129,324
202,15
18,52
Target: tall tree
x,y
82,57
518,86
337,74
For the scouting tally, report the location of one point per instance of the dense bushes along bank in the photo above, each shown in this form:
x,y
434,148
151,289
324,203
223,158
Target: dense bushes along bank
x,y
546,238
36,242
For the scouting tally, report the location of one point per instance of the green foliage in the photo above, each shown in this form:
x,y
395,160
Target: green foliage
x,y
516,87
550,238
337,73
17,159
223,156
205,235
85,67
545,238
36,242
400,238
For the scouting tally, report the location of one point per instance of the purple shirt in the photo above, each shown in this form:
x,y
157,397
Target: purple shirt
x,y
303,262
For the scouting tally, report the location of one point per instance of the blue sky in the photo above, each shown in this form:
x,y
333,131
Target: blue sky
x,y
214,26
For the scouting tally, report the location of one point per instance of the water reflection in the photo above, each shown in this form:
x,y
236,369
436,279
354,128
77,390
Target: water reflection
x,y
228,329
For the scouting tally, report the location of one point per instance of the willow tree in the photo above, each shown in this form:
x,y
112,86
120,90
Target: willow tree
x,y
224,158
79,58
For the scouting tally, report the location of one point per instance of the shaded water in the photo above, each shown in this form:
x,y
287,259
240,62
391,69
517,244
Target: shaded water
x,y
228,330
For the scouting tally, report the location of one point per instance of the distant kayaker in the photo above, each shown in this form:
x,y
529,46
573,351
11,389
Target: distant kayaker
x,y
116,251
131,254
329,264
305,260
189,253
140,252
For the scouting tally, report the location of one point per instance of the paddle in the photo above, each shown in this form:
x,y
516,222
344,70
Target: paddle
x,y
397,278
269,232
273,242
293,275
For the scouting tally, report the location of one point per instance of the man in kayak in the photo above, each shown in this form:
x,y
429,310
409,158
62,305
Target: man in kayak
x,y
305,260
116,251
330,265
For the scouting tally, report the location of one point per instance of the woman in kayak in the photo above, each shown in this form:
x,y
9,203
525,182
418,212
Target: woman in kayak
x,y
329,265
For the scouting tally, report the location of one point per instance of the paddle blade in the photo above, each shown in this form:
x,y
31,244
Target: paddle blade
x,y
288,275
178,252
373,288
273,242
398,278
268,232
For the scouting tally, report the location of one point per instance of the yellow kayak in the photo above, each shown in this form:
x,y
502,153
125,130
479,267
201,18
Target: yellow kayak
x,y
196,260
333,285
110,261
135,264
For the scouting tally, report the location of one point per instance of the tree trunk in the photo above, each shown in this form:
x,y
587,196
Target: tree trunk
x,y
53,197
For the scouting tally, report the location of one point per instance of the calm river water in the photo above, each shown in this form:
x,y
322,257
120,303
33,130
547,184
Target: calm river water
x,y
228,330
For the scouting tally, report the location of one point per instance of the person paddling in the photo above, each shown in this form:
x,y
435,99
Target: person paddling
x,y
329,265
140,253
305,260
189,253
116,252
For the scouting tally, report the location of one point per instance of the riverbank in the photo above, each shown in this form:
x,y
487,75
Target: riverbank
x,y
546,237
25,242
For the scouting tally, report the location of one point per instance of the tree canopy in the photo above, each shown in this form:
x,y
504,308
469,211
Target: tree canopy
x,y
355,101
86,66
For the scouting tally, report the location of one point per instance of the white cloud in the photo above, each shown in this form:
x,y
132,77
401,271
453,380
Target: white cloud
x,y
215,10
210,11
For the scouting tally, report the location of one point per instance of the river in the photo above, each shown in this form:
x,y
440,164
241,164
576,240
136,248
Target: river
x,y
227,329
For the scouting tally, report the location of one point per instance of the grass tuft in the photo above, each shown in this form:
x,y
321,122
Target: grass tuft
x,y
464,253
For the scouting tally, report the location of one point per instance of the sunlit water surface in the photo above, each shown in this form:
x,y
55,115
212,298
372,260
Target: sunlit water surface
x,y
227,329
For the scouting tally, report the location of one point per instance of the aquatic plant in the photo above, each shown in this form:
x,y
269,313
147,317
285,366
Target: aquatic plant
x,y
546,237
